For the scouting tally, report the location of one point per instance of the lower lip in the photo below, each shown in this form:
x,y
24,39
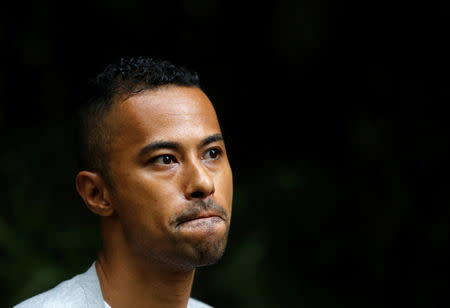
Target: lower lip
x,y
202,223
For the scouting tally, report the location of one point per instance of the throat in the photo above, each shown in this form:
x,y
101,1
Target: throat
x,y
133,284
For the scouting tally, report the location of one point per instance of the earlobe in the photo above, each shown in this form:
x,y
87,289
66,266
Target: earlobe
x,y
92,189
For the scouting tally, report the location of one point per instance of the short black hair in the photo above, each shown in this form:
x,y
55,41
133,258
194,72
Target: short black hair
x,y
120,80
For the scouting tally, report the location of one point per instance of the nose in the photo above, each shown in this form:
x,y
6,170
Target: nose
x,y
200,184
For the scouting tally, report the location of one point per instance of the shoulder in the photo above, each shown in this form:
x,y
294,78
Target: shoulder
x,y
79,291
63,295
193,303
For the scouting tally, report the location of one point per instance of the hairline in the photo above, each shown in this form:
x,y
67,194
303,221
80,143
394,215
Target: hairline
x,y
104,126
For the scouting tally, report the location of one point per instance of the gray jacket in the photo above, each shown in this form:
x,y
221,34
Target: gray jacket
x,y
82,291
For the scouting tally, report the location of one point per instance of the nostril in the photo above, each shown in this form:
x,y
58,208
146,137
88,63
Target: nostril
x,y
197,194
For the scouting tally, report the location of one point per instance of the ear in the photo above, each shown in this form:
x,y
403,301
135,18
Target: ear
x,y
93,190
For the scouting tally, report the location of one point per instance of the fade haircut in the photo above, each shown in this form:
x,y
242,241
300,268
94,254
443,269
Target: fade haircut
x,y
119,81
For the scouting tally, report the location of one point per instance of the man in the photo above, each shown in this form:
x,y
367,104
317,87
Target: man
x,y
155,170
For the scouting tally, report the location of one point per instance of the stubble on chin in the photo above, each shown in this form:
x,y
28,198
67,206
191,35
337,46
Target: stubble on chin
x,y
184,255
209,252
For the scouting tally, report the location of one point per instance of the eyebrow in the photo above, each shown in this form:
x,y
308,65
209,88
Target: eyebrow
x,y
157,145
211,139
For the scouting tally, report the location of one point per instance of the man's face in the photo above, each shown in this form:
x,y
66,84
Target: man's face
x,y
173,187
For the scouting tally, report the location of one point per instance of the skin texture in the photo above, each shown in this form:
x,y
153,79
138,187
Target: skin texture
x,y
169,208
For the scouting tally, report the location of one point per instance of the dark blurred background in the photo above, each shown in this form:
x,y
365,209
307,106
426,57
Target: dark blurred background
x,y
335,120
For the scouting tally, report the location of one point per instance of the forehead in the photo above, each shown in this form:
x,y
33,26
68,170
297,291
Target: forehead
x,y
168,113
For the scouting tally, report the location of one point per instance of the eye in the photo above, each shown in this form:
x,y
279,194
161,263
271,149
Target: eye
x,y
213,154
164,159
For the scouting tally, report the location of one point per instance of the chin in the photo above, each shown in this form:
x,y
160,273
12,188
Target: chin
x,y
187,254
208,257
203,253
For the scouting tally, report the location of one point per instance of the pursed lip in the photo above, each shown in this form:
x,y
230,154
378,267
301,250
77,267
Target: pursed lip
x,y
194,216
200,210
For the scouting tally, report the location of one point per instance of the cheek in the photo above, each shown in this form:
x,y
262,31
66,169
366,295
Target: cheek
x,y
225,185
230,190
142,200
145,187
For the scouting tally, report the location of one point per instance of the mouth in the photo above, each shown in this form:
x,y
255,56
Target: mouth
x,y
201,217
200,214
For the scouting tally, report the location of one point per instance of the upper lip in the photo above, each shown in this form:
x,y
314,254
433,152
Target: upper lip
x,y
196,214
193,216
200,209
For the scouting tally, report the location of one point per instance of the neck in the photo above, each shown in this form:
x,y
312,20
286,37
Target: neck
x,y
129,280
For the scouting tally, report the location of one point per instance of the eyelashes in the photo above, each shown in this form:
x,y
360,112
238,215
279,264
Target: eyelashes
x,y
210,154
214,153
164,159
